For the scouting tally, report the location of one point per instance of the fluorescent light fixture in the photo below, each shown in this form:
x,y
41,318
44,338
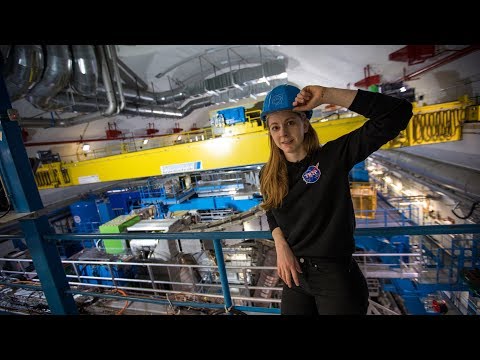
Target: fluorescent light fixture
x,y
253,96
85,147
238,86
403,89
145,142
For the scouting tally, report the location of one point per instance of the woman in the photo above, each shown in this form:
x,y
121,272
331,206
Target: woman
x,y
307,194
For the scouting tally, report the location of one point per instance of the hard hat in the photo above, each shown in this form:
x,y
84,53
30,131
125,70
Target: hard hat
x,y
281,98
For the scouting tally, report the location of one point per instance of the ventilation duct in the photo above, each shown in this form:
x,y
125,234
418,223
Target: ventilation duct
x,y
271,70
24,67
69,103
132,95
268,70
55,77
153,110
113,68
85,70
241,77
85,94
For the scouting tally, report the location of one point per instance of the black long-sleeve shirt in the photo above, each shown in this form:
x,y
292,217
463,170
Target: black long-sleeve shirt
x,y
317,217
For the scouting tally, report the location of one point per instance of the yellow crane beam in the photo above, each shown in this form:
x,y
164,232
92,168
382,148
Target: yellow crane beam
x,y
245,144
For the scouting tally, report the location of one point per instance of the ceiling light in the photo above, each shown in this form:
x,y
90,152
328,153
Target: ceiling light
x,y
253,96
145,142
85,147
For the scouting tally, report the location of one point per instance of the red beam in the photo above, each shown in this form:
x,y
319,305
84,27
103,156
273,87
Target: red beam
x,y
414,54
369,80
454,56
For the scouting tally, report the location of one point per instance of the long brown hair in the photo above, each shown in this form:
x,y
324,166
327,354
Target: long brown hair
x,y
274,176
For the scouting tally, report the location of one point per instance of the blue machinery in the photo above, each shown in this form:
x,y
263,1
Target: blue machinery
x,y
412,292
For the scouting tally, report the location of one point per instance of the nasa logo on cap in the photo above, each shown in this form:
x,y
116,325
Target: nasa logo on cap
x,y
312,174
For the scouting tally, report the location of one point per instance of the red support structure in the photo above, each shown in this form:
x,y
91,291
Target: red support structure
x,y
454,56
413,54
369,79
112,132
177,128
151,129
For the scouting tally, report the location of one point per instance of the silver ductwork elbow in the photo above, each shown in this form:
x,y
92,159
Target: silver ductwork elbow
x,y
55,77
24,68
85,70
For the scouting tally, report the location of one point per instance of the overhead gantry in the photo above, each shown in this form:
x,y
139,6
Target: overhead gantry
x,y
243,144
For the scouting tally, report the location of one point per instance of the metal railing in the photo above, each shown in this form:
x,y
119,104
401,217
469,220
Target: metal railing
x,y
221,291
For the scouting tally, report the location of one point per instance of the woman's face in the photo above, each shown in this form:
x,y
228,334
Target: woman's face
x,y
287,129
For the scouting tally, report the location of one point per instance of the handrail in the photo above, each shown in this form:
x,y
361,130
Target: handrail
x,y
220,265
380,231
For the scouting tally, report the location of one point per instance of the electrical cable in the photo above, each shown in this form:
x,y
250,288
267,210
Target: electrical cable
x,y
127,303
227,311
474,205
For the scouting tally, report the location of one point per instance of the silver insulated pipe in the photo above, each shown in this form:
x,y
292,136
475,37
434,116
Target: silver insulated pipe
x,y
55,77
24,68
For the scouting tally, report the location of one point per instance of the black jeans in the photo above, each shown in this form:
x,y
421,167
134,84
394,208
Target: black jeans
x,y
327,287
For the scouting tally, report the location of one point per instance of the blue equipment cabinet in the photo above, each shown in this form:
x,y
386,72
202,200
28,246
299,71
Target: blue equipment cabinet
x,y
233,115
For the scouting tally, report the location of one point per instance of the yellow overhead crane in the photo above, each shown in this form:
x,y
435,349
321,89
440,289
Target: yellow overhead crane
x,y
244,144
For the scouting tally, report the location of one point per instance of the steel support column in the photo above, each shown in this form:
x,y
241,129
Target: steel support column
x,y
48,266
24,197
223,274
